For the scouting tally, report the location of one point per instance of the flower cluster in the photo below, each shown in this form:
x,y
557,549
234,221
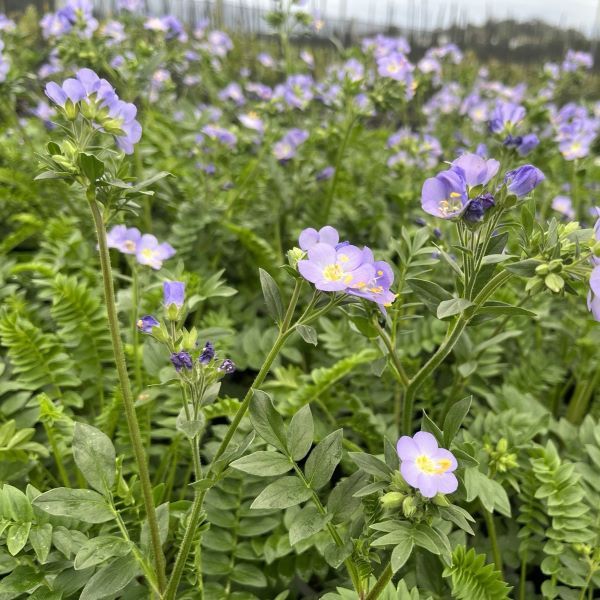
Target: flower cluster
x,y
183,357
340,267
4,64
413,150
425,466
593,300
448,195
97,101
575,130
146,248
75,15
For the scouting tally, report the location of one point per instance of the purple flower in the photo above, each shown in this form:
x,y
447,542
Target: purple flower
x,y
477,170
505,116
124,239
445,195
523,180
147,323
563,205
425,466
395,66
174,293
332,270
252,121
4,64
150,252
232,91
181,360
593,299
325,174
577,60
227,366
376,289
129,5
208,353
326,235
286,147
215,132
266,60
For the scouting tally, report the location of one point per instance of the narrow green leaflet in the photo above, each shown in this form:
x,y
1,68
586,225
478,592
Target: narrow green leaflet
x,y
300,433
110,579
323,460
263,463
267,422
285,492
95,456
306,523
84,505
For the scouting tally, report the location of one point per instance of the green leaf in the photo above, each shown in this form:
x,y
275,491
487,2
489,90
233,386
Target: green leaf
x,y
85,505
99,550
162,516
192,427
16,537
272,296
492,259
401,553
263,463
94,454
111,579
91,166
524,268
248,574
449,308
323,460
430,539
300,433
431,294
283,493
14,504
370,464
308,334
21,580
40,538
454,419
501,308
306,523
492,495
267,422
428,425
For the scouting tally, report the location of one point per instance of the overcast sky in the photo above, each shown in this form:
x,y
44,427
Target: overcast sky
x,y
580,14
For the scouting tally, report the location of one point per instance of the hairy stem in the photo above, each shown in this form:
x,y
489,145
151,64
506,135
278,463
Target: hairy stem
x,y
130,415
491,529
381,583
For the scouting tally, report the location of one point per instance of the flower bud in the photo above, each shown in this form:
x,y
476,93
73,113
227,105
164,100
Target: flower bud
x,y
392,500
542,269
71,110
409,507
502,445
294,255
441,500
555,265
554,282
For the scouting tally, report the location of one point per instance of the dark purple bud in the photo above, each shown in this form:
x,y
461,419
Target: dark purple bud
x,y
208,353
147,323
326,173
181,360
420,222
487,201
227,366
174,293
437,232
473,211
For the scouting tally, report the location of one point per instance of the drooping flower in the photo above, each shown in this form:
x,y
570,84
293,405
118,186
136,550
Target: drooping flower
x,y
332,270
445,195
425,466
523,180
124,239
227,366
181,360
147,323
152,253
174,293
98,94
207,354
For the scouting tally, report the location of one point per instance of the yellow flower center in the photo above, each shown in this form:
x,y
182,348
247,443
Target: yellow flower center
x,y
430,467
147,253
452,204
333,272
129,245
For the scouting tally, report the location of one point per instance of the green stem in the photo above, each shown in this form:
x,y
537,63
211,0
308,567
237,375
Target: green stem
x,y
338,162
64,476
137,368
381,583
130,416
491,529
284,333
523,578
581,398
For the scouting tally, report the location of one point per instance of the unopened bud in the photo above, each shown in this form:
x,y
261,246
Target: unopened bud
x,y
71,110
392,500
542,269
555,265
409,507
502,445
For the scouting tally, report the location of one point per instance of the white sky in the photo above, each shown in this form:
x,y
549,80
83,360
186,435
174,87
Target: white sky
x,y
579,14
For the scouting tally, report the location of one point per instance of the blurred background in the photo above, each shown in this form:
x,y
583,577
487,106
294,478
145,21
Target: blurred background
x,y
521,31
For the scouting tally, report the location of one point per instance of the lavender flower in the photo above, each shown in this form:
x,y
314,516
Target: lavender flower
x,y
311,237
425,466
4,64
564,205
147,323
593,299
523,180
208,353
577,60
445,195
251,120
129,5
477,170
325,174
286,147
220,134
332,270
174,293
505,116
376,289
124,239
395,66
181,360
150,252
